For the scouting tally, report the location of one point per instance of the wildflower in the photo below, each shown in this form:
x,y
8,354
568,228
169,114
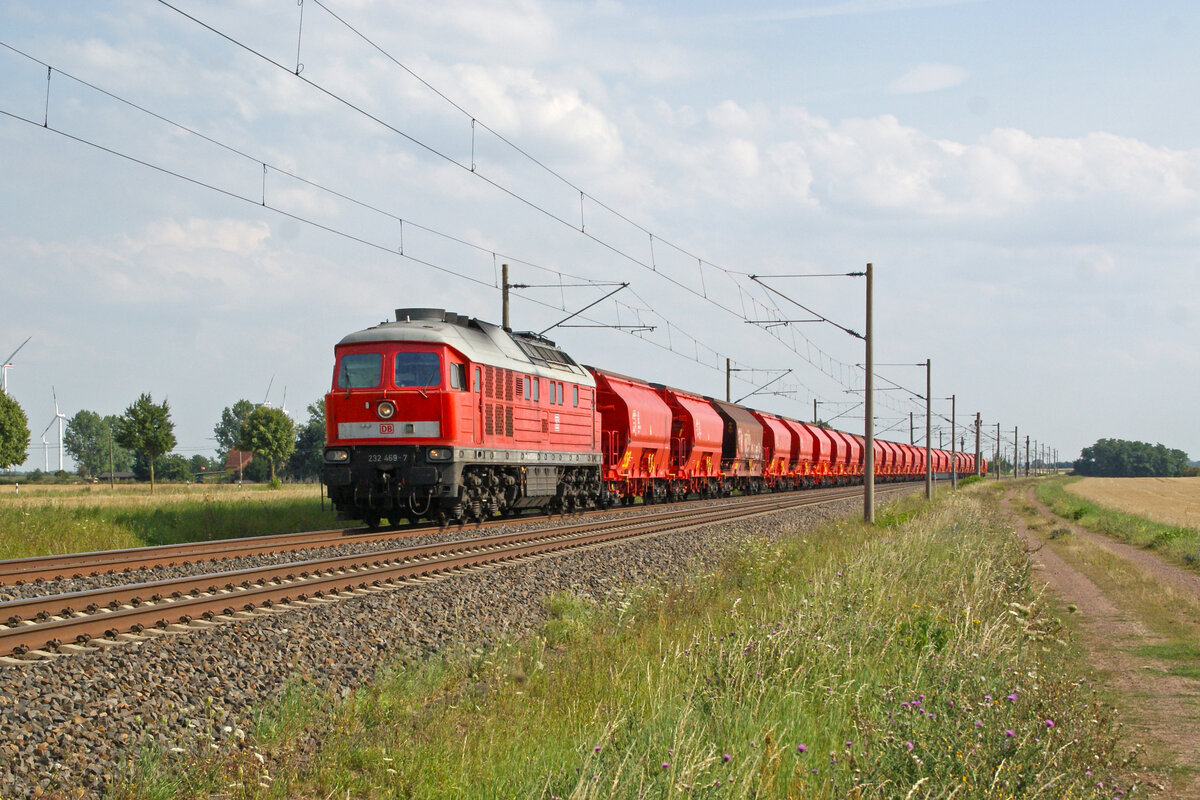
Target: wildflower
x,y
909,745
597,748
1012,697
849,744
904,704
1049,723
978,723
987,698
1009,733
666,765
670,752
802,748
727,757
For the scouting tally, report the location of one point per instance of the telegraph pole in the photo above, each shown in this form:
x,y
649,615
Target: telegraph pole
x,y
869,419
1026,456
728,372
912,435
814,411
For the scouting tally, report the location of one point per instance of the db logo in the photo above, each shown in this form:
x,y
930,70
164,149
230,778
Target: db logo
x,y
386,427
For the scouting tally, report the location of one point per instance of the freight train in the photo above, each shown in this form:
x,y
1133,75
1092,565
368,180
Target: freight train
x,y
443,417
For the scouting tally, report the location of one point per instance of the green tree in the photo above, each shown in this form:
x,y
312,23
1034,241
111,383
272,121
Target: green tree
x,y
146,428
268,433
230,427
1118,458
305,463
88,438
14,433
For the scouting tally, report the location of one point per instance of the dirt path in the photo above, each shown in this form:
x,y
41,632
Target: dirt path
x,y
1163,710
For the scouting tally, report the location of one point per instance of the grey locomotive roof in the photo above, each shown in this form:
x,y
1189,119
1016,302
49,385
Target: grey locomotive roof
x,y
481,342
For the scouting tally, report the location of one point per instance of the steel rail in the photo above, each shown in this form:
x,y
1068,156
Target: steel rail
x,y
346,574
78,565
14,612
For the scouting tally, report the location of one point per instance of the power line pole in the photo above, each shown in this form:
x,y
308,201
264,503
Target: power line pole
x,y
978,452
504,296
728,372
869,418
997,451
1027,456
953,443
1016,455
912,435
928,430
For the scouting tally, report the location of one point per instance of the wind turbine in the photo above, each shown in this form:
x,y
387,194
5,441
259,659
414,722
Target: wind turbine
x,y
8,363
58,417
266,401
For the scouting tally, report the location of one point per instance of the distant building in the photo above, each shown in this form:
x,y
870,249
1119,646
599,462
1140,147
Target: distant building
x,y
237,462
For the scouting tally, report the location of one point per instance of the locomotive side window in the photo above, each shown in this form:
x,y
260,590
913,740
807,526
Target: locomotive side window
x,y
537,385
575,396
478,380
458,376
525,385
360,371
418,370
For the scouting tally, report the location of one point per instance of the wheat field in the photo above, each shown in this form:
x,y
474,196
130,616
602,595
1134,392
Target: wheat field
x,y
1172,501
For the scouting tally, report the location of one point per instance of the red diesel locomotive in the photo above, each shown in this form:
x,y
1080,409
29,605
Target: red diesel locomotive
x,y
440,416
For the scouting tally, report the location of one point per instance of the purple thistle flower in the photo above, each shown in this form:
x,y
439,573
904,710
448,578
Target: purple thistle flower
x,y
904,704
978,723
727,757
597,748
666,765
849,744
1012,696
909,745
1049,723
802,748
1009,733
987,698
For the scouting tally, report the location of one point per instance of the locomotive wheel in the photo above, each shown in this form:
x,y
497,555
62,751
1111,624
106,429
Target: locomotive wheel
x,y
371,519
395,519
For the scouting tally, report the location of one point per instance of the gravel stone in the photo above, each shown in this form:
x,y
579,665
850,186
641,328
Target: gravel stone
x,y
70,724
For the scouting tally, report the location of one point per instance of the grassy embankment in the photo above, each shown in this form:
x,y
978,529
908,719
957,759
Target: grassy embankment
x,y
1179,544
78,519
909,661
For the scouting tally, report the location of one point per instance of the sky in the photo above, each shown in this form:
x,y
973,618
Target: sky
x,y
203,198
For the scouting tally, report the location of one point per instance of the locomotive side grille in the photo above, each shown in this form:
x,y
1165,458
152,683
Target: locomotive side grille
x,y
508,430
545,425
498,410
490,382
508,390
487,418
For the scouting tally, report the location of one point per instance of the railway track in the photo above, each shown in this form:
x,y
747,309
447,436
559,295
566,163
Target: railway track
x,y
43,627
19,571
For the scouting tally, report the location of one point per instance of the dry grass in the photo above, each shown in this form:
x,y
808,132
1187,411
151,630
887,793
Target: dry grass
x,y
1172,501
31,496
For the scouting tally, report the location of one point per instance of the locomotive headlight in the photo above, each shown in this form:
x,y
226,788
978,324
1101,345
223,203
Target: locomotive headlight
x,y
439,453
337,456
386,409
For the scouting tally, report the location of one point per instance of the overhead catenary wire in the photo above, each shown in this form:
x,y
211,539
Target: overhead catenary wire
x,y
821,360
824,362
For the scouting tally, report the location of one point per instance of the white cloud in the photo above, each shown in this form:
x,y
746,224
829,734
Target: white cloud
x,y
929,78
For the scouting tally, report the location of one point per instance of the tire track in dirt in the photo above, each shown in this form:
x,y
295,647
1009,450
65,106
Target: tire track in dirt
x,y
1163,709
